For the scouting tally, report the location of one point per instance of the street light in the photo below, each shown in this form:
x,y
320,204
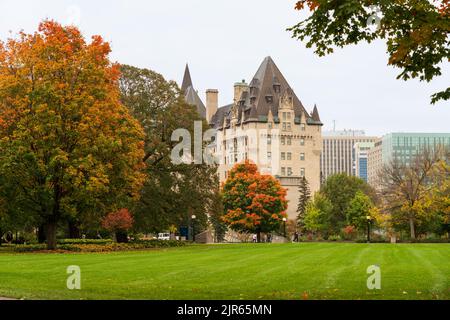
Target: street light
x,y
193,217
369,218
284,226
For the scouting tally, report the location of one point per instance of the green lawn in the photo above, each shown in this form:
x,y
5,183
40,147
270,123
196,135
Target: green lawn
x,y
235,271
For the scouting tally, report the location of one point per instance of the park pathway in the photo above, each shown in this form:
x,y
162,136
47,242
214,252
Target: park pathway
x,y
3,298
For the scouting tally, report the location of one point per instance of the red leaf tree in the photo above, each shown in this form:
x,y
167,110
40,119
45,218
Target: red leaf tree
x,y
119,223
253,202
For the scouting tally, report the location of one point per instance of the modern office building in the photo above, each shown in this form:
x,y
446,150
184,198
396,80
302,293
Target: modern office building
x,y
401,147
338,152
361,153
375,164
404,146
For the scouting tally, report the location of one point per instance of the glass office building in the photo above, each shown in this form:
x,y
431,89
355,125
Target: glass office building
x,y
404,146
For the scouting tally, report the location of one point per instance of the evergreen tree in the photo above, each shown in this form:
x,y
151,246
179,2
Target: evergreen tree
x,y
304,197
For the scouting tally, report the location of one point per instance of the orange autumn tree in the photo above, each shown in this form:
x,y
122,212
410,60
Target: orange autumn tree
x,y
119,222
253,202
68,147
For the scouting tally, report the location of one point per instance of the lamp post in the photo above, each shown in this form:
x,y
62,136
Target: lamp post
x,y
193,217
369,218
284,226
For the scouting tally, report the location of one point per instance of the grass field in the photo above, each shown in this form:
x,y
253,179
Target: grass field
x,y
235,271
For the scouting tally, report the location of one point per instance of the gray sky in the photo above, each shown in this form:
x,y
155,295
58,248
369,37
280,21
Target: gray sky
x,y
224,41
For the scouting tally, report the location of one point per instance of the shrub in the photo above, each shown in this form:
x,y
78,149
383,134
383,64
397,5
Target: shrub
x,y
84,241
91,246
334,237
349,232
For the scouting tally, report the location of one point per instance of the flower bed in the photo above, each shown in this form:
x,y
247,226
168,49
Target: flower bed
x,y
85,241
97,246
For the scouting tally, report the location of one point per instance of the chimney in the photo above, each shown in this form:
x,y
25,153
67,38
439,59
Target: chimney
x,y
239,87
212,103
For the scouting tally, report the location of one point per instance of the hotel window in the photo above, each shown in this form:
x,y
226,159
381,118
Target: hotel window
x,y
302,156
270,125
283,141
289,171
302,172
289,126
283,171
302,127
283,156
269,139
288,115
289,141
284,126
284,115
289,156
269,155
302,142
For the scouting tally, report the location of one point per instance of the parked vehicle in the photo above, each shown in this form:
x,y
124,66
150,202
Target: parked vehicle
x,y
164,236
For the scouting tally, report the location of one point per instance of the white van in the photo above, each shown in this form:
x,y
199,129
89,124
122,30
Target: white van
x,y
163,236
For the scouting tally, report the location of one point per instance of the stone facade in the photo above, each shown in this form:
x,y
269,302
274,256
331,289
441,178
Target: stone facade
x,y
268,125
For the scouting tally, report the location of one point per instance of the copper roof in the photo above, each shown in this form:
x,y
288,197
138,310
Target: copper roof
x,y
265,92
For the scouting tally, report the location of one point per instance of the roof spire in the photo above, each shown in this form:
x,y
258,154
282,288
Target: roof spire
x,y
315,114
187,81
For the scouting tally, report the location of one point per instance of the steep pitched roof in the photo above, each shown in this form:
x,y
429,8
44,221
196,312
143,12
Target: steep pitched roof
x,y
315,114
187,81
266,90
191,97
266,78
190,94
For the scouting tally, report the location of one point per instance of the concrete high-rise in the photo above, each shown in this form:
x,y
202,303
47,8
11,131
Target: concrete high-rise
x,y
338,151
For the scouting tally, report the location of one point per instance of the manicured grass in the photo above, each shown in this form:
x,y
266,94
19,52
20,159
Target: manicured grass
x,y
235,271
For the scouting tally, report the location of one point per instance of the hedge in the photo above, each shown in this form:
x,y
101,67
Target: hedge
x,y
98,246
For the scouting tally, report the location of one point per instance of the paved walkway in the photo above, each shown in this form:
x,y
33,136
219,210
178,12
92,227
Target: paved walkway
x,y
2,298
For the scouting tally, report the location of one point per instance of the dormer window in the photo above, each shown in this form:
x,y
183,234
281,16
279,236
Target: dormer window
x,y
269,98
252,99
277,88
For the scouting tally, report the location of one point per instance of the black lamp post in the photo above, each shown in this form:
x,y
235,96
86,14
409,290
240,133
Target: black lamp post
x,y
369,220
193,217
284,226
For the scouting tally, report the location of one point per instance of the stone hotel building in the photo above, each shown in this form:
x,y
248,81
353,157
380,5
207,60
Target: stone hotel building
x,y
266,123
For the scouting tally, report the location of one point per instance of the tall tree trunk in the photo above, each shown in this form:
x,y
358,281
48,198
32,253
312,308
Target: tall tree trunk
x,y
121,236
1,235
52,222
258,236
74,231
412,228
41,233
51,234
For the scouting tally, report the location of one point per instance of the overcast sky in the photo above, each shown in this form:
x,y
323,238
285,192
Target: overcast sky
x,y
225,41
